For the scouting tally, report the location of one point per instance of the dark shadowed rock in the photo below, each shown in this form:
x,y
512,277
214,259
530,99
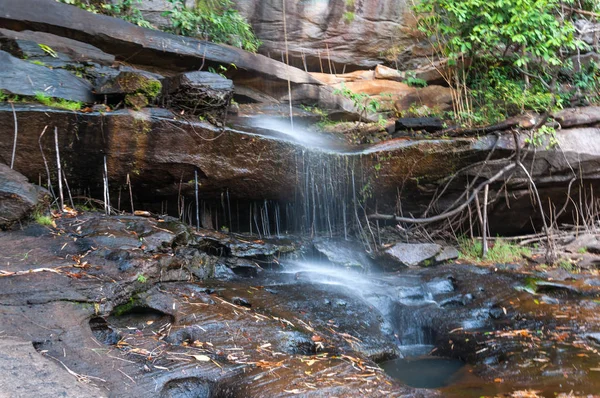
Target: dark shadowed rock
x,y
18,198
412,254
24,78
199,93
429,124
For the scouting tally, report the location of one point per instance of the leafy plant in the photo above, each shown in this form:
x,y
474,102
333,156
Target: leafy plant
x,y
48,50
141,278
414,81
503,55
362,102
215,20
500,251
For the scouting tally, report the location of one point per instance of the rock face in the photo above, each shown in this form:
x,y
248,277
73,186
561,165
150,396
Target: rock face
x,y
18,198
26,373
24,78
160,152
141,46
358,33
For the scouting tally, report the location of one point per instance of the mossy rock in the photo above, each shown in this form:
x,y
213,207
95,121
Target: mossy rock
x,y
136,101
126,83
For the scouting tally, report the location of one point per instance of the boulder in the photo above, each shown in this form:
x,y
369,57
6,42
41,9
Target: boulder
x,y
572,117
437,98
136,88
199,93
330,79
386,73
26,79
18,198
343,253
588,31
448,253
412,254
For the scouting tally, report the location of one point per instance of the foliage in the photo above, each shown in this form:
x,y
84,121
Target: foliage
x,y
141,278
48,50
544,134
504,56
518,30
40,63
500,251
3,96
362,102
45,99
214,20
124,9
43,219
349,16
414,81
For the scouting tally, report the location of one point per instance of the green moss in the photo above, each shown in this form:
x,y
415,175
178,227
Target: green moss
x,y
40,63
125,307
349,16
45,99
151,88
43,219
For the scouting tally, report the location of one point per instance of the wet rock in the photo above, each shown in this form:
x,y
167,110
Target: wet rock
x,y
461,300
189,387
342,252
26,79
18,198
429,124
448,253
496,313
556,288
26,373
440,285
241,302
549,300
412,254
159,240
103,332
242,267
595,337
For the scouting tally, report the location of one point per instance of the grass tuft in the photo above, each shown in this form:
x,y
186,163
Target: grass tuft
x,y
500,251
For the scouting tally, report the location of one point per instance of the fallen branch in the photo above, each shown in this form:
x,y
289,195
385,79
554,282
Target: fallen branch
x,y
14,151
449,213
